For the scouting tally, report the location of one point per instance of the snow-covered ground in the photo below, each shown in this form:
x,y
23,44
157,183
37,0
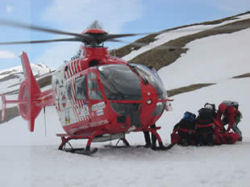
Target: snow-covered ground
x,y
28,159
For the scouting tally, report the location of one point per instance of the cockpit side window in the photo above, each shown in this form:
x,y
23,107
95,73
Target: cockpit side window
x,y
93,88
80,88
150,77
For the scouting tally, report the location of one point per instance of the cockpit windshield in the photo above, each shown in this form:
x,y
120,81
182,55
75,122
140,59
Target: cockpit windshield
x,y
120,82
152,78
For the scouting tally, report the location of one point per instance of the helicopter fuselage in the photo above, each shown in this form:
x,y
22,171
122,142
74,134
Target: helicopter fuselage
x,y
96,92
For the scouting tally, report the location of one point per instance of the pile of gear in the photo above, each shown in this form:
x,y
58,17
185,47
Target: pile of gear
x,y
210,127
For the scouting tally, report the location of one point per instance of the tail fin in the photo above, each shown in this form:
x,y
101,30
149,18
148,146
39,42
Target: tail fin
x,y
30,99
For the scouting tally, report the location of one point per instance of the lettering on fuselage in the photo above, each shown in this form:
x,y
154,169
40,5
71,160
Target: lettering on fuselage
x,y
99,112
98,106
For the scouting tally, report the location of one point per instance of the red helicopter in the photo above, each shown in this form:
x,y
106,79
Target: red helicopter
x,y
97,97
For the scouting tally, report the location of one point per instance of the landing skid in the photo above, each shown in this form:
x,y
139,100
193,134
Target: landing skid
x,y
87,151
65,141
81,151
127,145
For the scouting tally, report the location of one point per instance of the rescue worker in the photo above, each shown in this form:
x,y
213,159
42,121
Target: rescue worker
x,y
205,127
220,136
212,108
148,141
185,129
228,113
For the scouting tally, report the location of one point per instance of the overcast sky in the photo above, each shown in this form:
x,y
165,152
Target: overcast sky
x,y
116,16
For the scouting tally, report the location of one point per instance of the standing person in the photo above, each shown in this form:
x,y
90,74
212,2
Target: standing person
x,y
148,141
228,113
153,137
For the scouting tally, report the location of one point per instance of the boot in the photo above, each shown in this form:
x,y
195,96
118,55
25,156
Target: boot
x,y
153,137
147,139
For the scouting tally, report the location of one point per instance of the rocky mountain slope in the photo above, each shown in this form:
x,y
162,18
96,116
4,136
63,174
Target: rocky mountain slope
x,y
165,47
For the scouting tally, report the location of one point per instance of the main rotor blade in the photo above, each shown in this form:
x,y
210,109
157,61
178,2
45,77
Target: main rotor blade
x,y
114,40
113,36
36,28
41,41
160,47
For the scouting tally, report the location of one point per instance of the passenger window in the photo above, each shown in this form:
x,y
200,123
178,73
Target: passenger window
x,y
93,89
80,88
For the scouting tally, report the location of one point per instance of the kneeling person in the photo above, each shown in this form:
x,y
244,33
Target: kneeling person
x,y
205,127
231,116
185,130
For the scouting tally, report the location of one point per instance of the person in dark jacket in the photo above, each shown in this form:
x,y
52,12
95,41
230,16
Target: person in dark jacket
x,y
205,127
150,142
212,108
185,129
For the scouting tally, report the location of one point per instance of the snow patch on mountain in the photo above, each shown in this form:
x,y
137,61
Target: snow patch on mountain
x,y
37,69
210,60
177,33
10,79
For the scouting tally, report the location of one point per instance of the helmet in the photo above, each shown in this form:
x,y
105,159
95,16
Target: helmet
x,y
235,104
189,116
208,106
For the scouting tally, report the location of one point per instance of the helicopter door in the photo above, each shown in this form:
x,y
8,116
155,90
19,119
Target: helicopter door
x,y
93,88
80,88
95,97
81,98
